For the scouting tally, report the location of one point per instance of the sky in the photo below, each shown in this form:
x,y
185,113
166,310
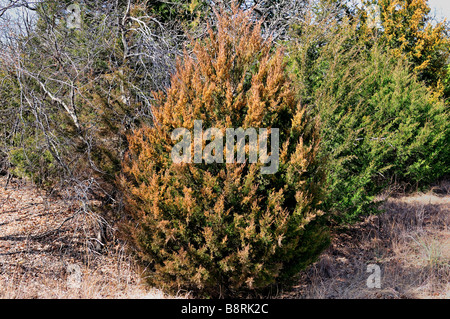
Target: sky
x,y
441,8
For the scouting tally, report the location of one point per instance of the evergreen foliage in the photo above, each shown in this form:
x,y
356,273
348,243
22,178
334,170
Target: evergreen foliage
x,y
379,124
223,229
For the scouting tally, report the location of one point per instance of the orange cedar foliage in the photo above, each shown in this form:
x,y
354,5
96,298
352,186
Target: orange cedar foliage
x,y
222,228
213,84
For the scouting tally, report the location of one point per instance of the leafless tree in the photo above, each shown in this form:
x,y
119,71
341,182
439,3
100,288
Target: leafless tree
x,y
59,75
71,94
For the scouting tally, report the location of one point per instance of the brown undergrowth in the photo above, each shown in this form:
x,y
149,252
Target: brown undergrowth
x,y
409,240
39,253
48,250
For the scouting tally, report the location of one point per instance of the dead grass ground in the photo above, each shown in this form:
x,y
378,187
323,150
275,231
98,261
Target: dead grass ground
x,y
410,242
63,263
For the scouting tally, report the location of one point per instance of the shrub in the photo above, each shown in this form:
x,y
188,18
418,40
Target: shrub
x,y
36,166
408,29
225,229
379,124
447,84
382,126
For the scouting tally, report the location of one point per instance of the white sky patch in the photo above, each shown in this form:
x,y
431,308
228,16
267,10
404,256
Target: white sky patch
x,y
440,9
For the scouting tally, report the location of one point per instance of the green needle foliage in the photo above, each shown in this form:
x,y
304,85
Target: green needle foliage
x,y
379,124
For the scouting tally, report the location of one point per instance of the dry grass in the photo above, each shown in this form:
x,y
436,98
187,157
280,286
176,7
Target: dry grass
x,y
62,264
410,241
